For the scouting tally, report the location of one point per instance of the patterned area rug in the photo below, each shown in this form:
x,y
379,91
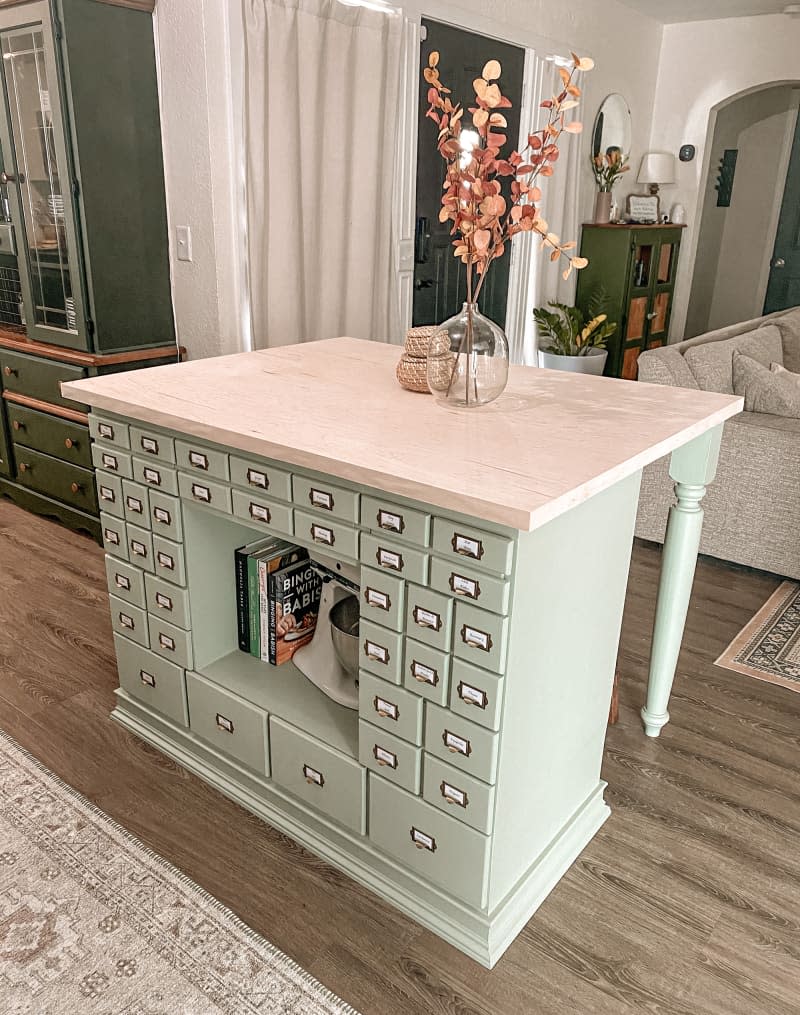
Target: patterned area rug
x,y
768,648
93,923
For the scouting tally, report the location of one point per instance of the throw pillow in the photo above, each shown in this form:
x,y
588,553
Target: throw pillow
x,y
666,366
777,394
776,368
712,362
789,326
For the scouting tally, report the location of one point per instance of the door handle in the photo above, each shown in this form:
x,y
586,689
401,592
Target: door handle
x,y
779,262
6,178
651,315
422,241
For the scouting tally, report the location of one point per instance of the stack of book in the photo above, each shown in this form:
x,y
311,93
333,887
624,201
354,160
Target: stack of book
x,y
277,599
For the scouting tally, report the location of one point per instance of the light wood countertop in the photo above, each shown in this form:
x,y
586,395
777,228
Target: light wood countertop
x,y
552,440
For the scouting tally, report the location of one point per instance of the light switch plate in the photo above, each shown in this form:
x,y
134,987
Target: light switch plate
x,y
183,239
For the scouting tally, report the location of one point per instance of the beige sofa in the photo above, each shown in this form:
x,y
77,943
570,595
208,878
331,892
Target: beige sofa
x,y
752,510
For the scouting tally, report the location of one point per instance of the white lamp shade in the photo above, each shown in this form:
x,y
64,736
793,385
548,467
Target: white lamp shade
x,y
657,167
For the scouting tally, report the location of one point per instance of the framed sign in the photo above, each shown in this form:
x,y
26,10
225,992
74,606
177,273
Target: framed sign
x,y
644,209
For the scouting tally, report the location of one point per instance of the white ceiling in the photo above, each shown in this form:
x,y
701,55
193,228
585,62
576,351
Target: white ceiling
x,y
672,11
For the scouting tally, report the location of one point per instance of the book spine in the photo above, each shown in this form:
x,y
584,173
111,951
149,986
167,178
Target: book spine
x,y
263,612
253,607
273,618
242,600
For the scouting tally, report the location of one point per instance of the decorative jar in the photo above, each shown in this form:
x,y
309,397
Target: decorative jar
x,y
468,360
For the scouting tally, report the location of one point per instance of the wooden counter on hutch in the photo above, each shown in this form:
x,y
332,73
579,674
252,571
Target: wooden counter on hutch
x,y
494,548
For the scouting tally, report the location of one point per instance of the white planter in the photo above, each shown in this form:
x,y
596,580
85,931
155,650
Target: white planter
x,y
593,362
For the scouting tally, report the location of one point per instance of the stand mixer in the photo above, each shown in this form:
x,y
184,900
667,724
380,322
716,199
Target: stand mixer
x,y
330,660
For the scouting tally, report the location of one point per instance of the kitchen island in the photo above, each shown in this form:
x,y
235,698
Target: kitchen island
x,y
493,549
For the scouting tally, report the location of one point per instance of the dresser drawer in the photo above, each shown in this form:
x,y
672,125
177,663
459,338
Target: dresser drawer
x,y
458,794
65,482
140,547
461,743
38,378
429,617
390,708
484,550
115,535
165,515
460,579
109,493
150,444
254,507
322,496
169,561
382,598
397,559
110,431
170,642
261,477
340,539
321,777
205,492
194,458
50,435
229,724
431,844
166,600
125,582
403,523
129,620
477,694
389,756
426,671
155,475
136,503
381,651
111,459
158,684
480,638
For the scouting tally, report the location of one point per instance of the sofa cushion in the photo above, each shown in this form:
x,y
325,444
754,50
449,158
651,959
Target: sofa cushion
x,y
712,362
789,327
765,390
666,366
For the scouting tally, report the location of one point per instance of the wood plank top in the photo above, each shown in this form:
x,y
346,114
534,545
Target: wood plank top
x,y
551,441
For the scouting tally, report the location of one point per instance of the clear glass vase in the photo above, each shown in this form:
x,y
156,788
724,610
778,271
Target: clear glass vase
x,y
468,364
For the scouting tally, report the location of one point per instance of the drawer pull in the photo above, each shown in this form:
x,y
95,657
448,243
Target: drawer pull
x,y
147,678
25,467
76,487
376,652
134,504
163,602
126,621
452,795
166,561
378,599
166,642
476,639
383,757
320,499
467,546
424,674
312,776
389,559
122,581
260,479
223,723
386,709
427,618
106,430
391,521
106,493
201,493
472,695
423,841
162,515
260,513
456,744
110,462
111,536
152,476
17,425
69,444
149,445
138,548
462,586
198,460
322,535
10,372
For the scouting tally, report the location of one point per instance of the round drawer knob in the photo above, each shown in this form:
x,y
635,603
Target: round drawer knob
x,y
76,487
9,371
17,425
70,443
24,467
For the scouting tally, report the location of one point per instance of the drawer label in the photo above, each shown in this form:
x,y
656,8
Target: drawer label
x,y
425,674
111,536
149,445
122,581
386,709
391,521
384,757
467,546
135,504
452,795
126,621
321,499
322,535
390,559
162,515
255,478
163,601
472,695
106,493
379,599
106,430
110,461
476,639
166,642
427,618
224,724
152,476
260,513
312,776
147,678
201,493
376,652
198,460
465,586
456,744
138,548
166,561
423,841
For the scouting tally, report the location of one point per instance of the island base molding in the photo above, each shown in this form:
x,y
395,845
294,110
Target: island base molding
x,y
483,936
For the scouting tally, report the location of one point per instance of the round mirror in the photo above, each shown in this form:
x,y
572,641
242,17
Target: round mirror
x,y
612,127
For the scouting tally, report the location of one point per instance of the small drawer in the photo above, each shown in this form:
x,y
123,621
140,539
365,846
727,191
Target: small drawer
x,y
480,638
426,671
109,494
328,533
155,475
165,515
170,642
140,547
151,444
51,435
477,694
458,794
390,708
39,378
382,598
389,756
199,490
461,743
115,535
168,601
484,550
71,484
463,582
111,459
321,777
169,562
320,495
136,503
432,844
129,620
403,523
254,507
110,431
385,554
260,476
230,724
153,681
429,617
381,651
202,460
125,582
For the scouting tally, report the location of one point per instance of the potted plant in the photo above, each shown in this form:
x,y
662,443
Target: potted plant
x,y
607,170
568,341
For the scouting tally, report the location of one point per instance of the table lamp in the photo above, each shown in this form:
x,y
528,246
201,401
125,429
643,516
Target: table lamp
x,y
657,168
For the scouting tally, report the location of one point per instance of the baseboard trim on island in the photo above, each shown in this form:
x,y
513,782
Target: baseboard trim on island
x,y
481,935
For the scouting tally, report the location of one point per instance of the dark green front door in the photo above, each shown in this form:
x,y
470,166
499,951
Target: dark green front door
x,y
783,290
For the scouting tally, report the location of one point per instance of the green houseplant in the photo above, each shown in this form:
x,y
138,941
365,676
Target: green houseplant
x,y
572,340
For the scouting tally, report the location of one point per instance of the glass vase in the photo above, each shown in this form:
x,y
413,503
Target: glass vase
x,y
468,360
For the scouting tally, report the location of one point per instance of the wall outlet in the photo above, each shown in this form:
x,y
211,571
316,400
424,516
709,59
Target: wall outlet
x,y
183,240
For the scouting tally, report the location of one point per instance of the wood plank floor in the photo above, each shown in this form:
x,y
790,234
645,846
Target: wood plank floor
x,y
687,901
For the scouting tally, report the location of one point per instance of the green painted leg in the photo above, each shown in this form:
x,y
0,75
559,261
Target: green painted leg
x,y
692,467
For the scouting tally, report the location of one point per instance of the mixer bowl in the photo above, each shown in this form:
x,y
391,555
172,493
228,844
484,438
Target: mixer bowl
x,y
344,633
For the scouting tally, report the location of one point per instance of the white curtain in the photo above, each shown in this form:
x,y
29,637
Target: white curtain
x,y
321,92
